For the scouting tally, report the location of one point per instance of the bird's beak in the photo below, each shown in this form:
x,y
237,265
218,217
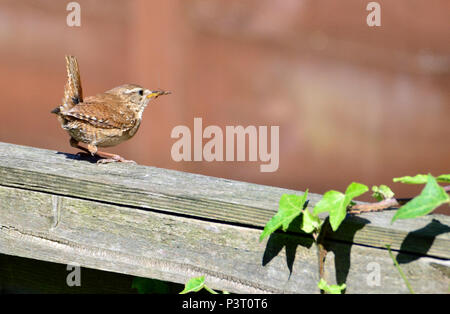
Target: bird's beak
x,y
157,93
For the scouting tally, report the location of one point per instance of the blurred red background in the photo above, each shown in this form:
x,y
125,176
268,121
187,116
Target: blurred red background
x,y
354,103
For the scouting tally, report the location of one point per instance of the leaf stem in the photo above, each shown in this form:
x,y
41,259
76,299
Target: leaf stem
x,y
399,269
377,206
210,290
384,204
321,250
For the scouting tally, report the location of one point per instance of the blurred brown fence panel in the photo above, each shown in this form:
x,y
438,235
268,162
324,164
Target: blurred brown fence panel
x,y
353,102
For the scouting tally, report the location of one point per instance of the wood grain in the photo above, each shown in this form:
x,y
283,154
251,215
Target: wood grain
x,y
171,226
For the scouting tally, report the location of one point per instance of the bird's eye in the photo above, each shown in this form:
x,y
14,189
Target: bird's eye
x,y
141,92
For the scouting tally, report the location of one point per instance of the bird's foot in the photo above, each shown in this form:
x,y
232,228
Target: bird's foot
x,y
114,158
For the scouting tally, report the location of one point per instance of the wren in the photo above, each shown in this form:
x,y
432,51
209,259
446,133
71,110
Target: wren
x,y
103,120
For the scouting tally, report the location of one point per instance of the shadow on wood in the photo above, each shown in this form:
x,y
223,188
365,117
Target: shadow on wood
x,y
278,240
81,156
342,253
420,241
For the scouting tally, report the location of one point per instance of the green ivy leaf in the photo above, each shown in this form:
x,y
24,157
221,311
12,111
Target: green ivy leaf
x,y
431,197
290,207
354,190
417,179
194,285
336,203
444,178
422,179
310,222
332,289
382,192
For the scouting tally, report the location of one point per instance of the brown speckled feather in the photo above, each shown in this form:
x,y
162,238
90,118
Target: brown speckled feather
x,y
96,110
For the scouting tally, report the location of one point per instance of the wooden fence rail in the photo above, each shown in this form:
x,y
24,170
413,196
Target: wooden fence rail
x,y
172,226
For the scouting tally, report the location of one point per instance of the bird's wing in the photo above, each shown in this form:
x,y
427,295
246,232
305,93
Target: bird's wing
x,y
98,111
73,93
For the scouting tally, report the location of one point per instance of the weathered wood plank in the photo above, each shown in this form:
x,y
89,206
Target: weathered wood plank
x,y
204,197
171,225
173,248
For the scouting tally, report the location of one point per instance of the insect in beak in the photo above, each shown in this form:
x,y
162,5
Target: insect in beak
x,y
158,93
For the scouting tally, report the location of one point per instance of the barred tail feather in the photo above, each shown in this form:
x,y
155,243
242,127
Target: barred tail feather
x,y
73,93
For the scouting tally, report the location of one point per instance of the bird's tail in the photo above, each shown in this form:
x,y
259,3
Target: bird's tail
x,y
73,93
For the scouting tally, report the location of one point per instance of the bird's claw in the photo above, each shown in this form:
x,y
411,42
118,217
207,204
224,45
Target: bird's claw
x,y
115,158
